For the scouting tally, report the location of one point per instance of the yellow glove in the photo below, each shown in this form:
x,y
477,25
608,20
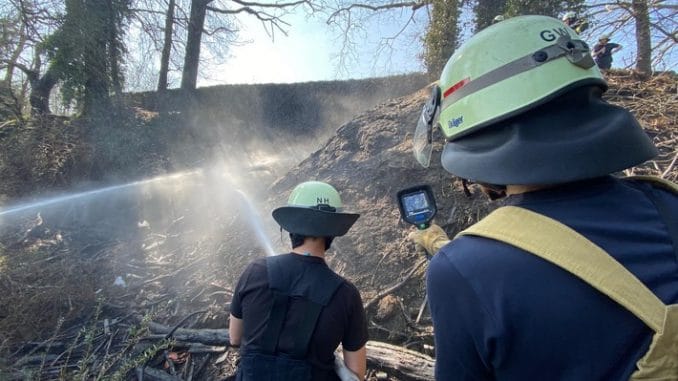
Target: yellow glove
x,y
430,239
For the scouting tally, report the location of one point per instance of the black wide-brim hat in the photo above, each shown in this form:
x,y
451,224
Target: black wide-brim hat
x,y
312,222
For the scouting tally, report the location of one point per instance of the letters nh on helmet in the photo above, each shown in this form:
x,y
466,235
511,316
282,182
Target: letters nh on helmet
x,y
322,200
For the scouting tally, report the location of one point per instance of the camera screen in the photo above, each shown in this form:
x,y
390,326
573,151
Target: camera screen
x,y
415,202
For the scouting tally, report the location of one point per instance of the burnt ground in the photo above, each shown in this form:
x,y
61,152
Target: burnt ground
x,y
89,291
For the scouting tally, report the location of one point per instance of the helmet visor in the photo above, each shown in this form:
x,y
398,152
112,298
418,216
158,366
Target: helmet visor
x,y
422,140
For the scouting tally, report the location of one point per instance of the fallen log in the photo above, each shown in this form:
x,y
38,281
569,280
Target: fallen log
x,y
400,362
403,363
206,336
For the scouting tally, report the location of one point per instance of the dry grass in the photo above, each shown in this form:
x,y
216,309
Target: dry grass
x,y
655,103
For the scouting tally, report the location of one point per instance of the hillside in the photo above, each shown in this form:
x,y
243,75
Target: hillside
x,y
92,283
265,128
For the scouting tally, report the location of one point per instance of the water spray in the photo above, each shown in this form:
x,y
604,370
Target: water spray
x,y
255,223
248,209
95,192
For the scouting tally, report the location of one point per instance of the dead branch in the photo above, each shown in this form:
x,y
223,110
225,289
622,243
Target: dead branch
x,y
396,286
208,336
152,374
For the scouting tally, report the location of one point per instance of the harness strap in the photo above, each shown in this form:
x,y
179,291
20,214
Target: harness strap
x,y
276,319
305,328
564,247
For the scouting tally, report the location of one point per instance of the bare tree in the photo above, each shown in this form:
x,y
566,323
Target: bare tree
x,y
271,16
167,46
25,25
196,24
643,40
653,23
351,18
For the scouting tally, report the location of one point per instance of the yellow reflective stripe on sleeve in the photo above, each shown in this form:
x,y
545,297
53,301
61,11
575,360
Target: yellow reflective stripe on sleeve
x,y
562,246
657,181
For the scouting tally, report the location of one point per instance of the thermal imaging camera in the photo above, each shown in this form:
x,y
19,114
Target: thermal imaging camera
x,y
417,205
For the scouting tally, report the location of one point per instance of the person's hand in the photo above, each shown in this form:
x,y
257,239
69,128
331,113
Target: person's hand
x,y
430,239
342,370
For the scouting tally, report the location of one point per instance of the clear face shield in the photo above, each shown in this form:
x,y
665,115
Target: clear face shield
x,y
423,135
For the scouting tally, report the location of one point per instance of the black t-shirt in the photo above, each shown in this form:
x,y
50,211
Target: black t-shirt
x,y
341,321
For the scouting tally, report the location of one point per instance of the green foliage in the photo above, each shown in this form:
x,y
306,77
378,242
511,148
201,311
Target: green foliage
x,y
87,51
442,36
487,10
552,8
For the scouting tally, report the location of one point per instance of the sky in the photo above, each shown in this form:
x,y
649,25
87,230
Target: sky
x,y
310,53
310,50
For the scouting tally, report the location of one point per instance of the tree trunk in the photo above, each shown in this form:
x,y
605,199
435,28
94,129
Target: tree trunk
x,y
167,47
189,77
114,50
41,88
95,56
9,71
643,40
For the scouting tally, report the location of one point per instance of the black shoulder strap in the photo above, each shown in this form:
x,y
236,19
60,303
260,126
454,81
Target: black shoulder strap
x,y
311,286
274,326
670,218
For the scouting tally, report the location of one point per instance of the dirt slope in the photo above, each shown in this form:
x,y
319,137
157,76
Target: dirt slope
x,y
179,255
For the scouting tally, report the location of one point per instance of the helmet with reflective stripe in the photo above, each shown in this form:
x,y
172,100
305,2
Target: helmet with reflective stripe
x,y
314,209
520,103
509,67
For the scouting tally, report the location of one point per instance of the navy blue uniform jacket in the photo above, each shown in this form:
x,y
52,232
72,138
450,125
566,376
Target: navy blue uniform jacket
x,y
500,313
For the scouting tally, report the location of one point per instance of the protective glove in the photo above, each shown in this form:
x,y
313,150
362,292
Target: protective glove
x,y
430,239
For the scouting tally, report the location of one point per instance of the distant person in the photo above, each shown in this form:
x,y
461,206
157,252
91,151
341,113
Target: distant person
x,y
290,312
575,276
603,50
578,24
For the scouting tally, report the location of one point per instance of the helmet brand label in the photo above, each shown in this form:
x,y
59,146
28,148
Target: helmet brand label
x,y
549,35
322,200
456,122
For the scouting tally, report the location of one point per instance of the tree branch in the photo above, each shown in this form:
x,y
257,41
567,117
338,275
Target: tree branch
x,y
412,4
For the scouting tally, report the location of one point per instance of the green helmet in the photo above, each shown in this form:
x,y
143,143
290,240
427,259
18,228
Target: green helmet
x,y
508,68
520,103
569,15
314,209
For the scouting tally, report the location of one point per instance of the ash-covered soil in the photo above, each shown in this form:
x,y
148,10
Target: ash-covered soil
x,y
91,290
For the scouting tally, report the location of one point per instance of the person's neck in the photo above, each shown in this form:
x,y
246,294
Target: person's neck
x,y
314,248
519,189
